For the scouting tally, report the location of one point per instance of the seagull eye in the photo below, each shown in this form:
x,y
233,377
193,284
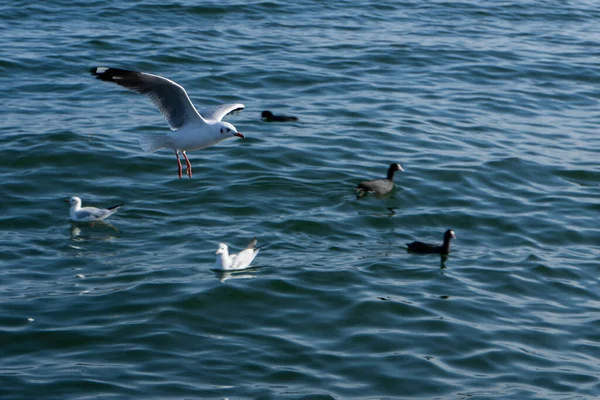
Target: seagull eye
x,y
221,131
228,130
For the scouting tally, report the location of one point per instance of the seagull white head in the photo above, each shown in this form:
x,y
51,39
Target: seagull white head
x,y
74,201
227,129
223,249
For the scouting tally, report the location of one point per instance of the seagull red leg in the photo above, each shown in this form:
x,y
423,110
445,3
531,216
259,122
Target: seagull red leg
x,y
178,164
188,164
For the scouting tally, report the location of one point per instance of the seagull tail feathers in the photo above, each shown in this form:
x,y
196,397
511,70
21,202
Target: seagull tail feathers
x,y
152,143
261,246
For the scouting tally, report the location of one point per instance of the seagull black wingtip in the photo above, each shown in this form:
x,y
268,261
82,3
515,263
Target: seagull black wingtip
x,y
113,207
108,74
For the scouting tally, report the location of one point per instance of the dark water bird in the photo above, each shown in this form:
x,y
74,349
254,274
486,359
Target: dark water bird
x,y
426,248
190,130
269,117
380,186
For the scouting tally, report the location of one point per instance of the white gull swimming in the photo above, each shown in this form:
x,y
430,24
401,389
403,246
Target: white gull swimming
x,y
88,214
190,131
232,262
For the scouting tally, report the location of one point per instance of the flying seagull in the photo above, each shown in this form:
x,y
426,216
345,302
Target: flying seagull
x,y
191,131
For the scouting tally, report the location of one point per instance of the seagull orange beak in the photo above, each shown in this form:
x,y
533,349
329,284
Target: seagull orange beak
x,y
238,134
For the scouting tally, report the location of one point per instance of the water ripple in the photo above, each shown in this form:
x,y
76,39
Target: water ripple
x,y
490,108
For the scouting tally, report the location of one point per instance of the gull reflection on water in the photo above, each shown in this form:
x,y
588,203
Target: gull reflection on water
x,y
99,231
248,273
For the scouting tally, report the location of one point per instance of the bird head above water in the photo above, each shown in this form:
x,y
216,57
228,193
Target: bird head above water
x,y
449,234
74,201
392,170
228,129
223,249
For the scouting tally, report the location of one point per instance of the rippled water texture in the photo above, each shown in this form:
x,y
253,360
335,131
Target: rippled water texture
x,y
492,108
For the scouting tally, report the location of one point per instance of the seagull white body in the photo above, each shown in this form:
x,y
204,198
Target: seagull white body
x,y
88,214
232,262
190,131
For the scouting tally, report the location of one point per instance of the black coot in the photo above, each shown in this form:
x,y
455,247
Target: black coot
x,y
380,186
269,117
426,248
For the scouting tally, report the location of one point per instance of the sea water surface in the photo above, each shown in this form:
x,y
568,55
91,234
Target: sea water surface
x,y
492,108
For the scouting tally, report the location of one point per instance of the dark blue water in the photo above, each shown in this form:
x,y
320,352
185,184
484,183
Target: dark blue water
x,y
492,108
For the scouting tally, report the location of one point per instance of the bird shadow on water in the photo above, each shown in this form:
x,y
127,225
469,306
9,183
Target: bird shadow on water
x,y
93,231
361,195
247,273
391,211
443,258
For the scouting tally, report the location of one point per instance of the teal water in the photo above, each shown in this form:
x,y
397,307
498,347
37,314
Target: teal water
x,y
492,108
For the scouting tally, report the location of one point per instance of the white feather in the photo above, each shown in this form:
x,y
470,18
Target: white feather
x,y
152,143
